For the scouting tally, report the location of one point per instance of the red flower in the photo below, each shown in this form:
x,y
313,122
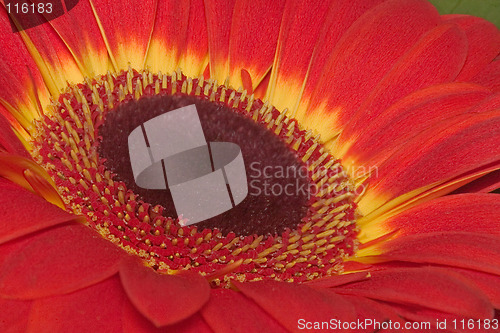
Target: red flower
x,y
406,105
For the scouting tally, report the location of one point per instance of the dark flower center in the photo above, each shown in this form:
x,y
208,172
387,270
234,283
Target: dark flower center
x,y
297,223
277,179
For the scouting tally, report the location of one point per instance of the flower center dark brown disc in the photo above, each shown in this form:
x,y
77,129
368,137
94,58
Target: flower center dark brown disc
x,y
278,184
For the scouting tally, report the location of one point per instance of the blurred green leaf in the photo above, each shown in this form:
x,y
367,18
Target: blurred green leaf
x,y
487,9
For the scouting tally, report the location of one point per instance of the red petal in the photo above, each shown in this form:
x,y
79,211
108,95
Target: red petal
x,y
253,40
31,176
364,55
457,249
408,117
22,212
134,322
219,16
431,318
490,103
338,280
488,284
354,266
437,155
410,330
60,260
163,299
436,58
51,55
8,112
428,287
126,27
487,183
169,36
11,247
341,15
97,308
476,213
489,76
80,32
484,43
240,314
194,59
9,142
289,302
294,50
22,85
193,324
14,315
43,187
372,312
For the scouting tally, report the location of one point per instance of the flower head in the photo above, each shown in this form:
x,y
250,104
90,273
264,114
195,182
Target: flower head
x,y
369,131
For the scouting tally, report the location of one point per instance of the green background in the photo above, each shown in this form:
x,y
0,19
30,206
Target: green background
x,y
488,9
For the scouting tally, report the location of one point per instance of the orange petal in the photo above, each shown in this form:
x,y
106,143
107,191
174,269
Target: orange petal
x,y
254,34
484,43
362,57
240,314
96,308
260,91
61,260
439,154
16,220
422,195
294,50
487,183
51,55
23,91
457,249
338,280
79,30
289,302
43,187
163,299
194,58
466,212
407,118
169,36
126,27
341,15
436,58
31,176
428,287
9,142
219,17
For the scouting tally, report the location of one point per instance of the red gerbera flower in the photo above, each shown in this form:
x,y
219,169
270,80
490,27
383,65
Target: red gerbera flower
x,y
386,105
